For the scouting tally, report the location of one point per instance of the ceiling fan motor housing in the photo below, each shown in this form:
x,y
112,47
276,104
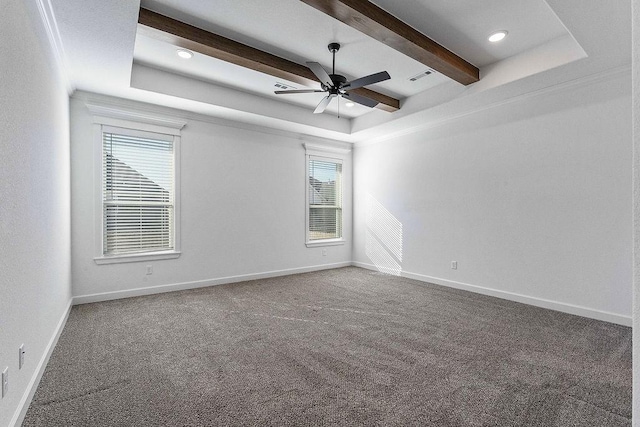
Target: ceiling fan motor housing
x,y
338,82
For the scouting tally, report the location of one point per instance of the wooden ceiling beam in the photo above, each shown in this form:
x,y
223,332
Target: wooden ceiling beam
x,y
183,35
375,22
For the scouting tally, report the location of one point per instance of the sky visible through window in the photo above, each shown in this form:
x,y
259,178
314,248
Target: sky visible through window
x,y
137,154
323,171
325,175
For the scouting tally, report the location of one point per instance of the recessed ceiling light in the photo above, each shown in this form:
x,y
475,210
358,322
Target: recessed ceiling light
x,y
497,36
349,104
184,53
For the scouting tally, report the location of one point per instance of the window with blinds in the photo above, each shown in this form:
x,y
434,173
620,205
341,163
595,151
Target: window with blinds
x,y
325,199
138,180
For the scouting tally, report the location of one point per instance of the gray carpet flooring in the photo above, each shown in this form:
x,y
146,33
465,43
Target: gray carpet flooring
x,y
339,347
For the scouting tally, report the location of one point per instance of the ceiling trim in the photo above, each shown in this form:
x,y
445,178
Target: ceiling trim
x,y
375,22
53,35
187,115
183,35
588,80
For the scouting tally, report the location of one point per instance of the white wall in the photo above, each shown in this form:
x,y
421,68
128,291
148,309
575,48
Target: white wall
x,y
35,284
636,212
242,207
531,198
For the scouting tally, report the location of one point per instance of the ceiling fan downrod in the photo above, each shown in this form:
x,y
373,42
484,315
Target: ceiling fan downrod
x,y
333,48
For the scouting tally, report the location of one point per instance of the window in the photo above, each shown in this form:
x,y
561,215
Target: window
x,y
137,215
324,196
137,192
325,199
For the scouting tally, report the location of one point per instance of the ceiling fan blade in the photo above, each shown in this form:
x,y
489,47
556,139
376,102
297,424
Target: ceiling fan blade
x,y
282,92
367,80
361,99
320,73
323,104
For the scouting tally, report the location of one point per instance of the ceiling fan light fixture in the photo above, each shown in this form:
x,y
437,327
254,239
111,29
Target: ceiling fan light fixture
x,y
497,36
184,53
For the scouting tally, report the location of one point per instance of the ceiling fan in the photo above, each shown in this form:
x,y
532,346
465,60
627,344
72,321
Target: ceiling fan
x,y
338,86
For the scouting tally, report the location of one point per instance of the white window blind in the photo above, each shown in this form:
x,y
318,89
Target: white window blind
x,y
138,187
325,199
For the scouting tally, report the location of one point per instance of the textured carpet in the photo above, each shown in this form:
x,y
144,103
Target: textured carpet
x,y
338,347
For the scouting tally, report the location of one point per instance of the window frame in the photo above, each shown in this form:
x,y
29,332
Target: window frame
x,y
109,118
331,154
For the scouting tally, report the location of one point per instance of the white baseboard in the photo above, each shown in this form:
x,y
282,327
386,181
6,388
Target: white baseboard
x,y
106,296
538,302
25,401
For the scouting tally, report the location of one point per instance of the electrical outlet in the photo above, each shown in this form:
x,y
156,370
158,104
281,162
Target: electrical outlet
x,y
21,356
5,381
454,265
324,252
149,269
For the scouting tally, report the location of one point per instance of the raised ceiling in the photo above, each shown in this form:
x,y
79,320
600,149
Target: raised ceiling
x,y
103,53
295,31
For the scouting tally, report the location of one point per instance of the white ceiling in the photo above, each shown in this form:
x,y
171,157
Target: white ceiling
x,y
548,43
295,31
158,54
463,26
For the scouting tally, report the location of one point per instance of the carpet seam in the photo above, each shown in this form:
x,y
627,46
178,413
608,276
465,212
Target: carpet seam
x,y
89,393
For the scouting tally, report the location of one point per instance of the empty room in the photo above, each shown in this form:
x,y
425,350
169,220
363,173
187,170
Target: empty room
x,y
319,212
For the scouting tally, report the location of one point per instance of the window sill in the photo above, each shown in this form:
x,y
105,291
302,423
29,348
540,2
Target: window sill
x,y
117,259
326,242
